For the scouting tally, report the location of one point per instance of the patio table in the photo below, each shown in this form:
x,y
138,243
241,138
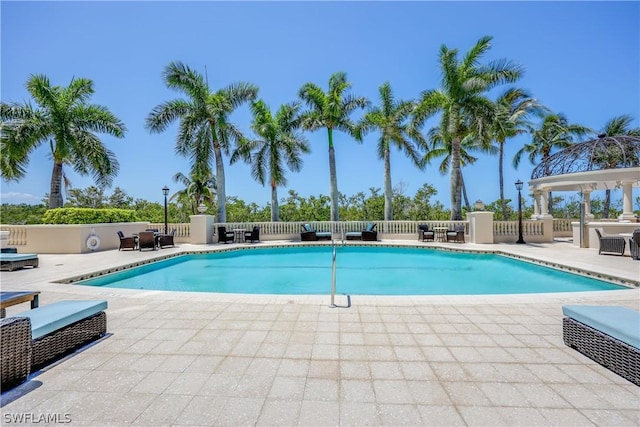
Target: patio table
x,y
7,299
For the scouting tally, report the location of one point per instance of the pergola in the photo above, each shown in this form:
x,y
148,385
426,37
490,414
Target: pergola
x,y
604,163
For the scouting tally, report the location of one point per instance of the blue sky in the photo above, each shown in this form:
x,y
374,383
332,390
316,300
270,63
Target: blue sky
x,y
581,59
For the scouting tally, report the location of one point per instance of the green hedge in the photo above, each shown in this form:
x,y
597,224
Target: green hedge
x,y
88,216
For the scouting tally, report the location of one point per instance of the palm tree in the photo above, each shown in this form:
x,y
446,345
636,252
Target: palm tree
x,y
205,132
462,103
620,125
278,142
513,109
440,146
200,187
554,132
331,110
390,119
65,120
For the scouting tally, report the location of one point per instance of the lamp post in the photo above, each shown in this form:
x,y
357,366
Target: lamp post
x,y
165,192
519,188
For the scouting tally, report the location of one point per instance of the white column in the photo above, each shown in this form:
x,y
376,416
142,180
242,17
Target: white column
x,y
201,229
627,201
536,204
544,203
586,197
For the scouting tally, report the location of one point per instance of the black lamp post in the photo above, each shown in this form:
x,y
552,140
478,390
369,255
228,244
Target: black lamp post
x,y
165,191
519,188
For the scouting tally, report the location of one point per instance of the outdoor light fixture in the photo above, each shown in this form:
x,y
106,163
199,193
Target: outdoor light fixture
x,y
165,192
519,188
478,205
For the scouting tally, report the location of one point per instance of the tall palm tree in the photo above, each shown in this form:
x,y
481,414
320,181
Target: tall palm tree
x,y
513,109
554,132
331,110
620,125
278,142
440,146
205,132
462,102
64,120
200,187
391,120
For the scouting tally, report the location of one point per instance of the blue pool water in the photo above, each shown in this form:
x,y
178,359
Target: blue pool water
x,y
360,271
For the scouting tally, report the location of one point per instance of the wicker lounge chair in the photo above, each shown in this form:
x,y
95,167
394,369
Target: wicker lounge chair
x,y
368,234
608,335
130,242
253,235
11,261
456,235
634,245
166,239
147,240
425,234
225,236
611,244
308,234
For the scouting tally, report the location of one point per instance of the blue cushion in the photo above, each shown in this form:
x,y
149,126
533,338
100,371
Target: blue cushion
x,y
370,227
323,233
17,257
353,233
620,323
57,315
307,227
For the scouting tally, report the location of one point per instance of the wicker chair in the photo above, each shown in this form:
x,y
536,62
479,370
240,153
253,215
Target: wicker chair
x,y
225,236
456,235
253,235
634,245
425,234
147,240
16,349
611,244
127,242
166,239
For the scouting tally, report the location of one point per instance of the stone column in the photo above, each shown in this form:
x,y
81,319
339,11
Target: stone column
x,y
544,204
627,201
536,204
480,227
586,197
201,229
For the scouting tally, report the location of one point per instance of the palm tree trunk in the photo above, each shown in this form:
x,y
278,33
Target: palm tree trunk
x,y
275,212
388,191
455,187
503,204
464,192
607,203
333,177
55,194
221,193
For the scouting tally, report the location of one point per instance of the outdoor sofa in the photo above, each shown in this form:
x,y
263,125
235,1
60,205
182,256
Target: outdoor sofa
x,y
368,234
34,338
609,335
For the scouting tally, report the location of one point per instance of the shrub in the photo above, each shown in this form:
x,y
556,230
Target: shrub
x,y
88,216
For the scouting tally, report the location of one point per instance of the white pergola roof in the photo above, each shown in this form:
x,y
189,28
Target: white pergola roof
x,y
607,179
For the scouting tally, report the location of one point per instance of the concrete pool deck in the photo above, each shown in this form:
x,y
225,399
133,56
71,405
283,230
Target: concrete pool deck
x,y
181,359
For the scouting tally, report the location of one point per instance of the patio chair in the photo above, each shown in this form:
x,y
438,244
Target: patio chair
x,y
425,234
130,242
634,245
147,240
611,244
456,235
253,235
308,234
166,239
225,236
368,234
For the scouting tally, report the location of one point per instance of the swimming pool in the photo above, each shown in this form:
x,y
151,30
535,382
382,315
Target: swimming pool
x,y
360,271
